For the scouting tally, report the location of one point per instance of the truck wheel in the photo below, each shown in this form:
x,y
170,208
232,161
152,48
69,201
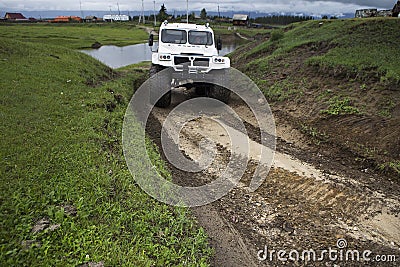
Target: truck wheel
x,y
218,92
201,88
165,100
154,69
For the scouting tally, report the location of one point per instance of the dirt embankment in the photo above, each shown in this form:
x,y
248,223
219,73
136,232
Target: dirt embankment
x,y
352,118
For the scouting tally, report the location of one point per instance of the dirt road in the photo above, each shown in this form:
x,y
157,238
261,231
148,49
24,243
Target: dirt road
x,y
307,201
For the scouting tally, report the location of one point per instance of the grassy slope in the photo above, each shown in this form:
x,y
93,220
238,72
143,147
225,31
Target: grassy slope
x,y
322,73
61,146
76,35
364,46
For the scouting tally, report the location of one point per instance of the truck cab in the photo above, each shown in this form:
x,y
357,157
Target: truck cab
x,y
181,43
191,52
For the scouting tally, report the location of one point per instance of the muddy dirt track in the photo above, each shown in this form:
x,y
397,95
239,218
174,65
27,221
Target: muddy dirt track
x,y
308,201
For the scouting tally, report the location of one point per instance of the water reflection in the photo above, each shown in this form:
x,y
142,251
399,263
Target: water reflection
x,y
117,57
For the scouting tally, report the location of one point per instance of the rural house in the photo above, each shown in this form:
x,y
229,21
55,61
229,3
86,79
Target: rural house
x,y
15,17
91,19
240,20
366,13
384,13
110,18
67,19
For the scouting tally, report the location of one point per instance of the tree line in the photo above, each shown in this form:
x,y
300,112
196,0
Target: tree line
x,y
274,20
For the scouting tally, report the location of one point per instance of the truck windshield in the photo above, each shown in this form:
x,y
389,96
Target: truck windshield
x,y
173,36
200,38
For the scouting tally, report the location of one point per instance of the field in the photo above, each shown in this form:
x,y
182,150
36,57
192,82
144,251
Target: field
x,y
76,36
66,196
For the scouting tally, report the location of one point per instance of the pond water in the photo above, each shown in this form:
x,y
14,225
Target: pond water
x,y
117,57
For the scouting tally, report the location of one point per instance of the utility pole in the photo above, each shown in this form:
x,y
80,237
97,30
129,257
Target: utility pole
x,y
142,14
144,19
80,7
187,11
154,13
119,12
111,18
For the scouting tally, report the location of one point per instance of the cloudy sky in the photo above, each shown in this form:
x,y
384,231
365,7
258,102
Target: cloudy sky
x,y
267,6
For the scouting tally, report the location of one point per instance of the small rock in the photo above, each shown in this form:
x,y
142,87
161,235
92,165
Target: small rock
x,y
40,225
54,227
69,210
96,45
28,244
288,227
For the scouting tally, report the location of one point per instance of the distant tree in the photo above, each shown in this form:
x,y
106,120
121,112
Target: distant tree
x,y
192,16
162,14
325,17
333,17
203,14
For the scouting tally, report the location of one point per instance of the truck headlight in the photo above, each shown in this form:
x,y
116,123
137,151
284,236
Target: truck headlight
x,y
164,57
219,60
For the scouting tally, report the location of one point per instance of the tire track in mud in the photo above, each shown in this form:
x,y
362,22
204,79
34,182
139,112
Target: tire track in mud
x,y
296,207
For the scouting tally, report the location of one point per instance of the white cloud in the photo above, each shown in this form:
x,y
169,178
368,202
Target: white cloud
x,y
306,6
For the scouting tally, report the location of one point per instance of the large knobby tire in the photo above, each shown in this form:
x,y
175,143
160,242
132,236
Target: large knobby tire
x,y
154,69
218,92
165,100
200,89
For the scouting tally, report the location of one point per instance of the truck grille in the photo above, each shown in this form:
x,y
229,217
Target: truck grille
x,y
201,62
181,60
198,61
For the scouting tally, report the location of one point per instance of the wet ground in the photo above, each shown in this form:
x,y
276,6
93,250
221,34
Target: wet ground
x,y
308,201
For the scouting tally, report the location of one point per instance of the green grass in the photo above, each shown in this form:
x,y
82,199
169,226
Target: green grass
x,y
316,135
387,108
361,48
279,91
340,106
75,35
248,32
62,115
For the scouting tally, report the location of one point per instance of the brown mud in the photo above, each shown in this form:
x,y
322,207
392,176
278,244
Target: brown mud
x,y
313,196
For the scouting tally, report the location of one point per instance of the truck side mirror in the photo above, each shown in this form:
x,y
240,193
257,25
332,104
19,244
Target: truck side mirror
x,y
219,44
151,39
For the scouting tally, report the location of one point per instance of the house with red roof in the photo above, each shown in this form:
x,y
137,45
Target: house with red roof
x,y
15,17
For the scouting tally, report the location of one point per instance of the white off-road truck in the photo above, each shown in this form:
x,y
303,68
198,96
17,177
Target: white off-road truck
x,y
190,52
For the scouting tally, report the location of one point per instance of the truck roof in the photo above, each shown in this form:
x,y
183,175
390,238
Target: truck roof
x,y
185,26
